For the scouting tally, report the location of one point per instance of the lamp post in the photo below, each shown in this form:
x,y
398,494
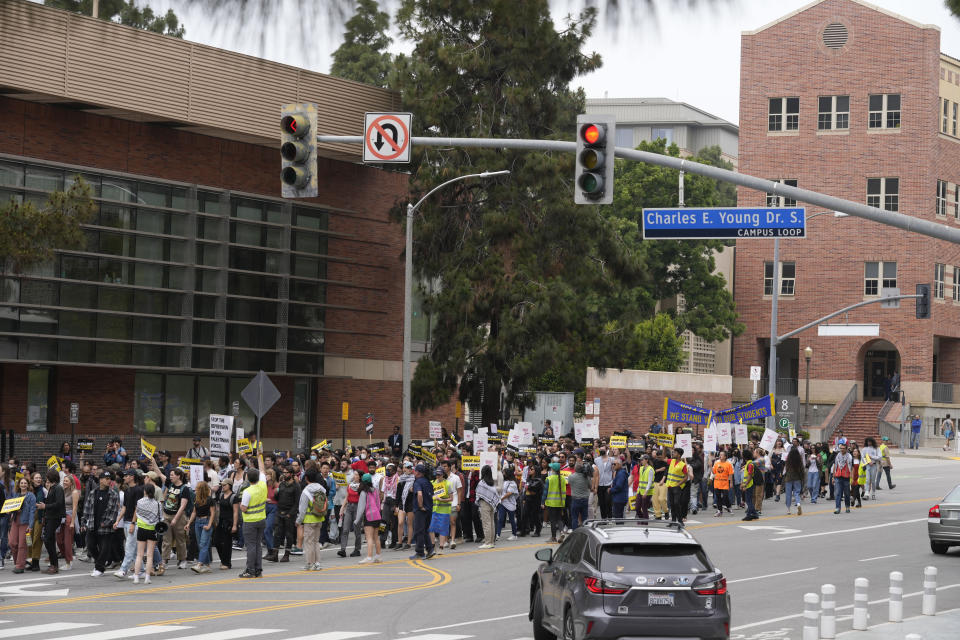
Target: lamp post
x,y
807,354
408,292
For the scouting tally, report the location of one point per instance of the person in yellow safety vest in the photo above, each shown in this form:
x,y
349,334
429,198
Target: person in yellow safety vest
x,y
643,487
253,505
679,475
885,463
553,499
746,486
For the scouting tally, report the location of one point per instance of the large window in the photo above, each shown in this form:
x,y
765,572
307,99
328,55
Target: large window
x,y
956,284
783,114
625,137
939,280
38,399
942,188
774,200
877,276
833,112
664,133
788,278
883,193
884,111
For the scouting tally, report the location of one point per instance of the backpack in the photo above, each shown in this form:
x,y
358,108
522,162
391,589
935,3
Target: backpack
x,y
318,504
757,474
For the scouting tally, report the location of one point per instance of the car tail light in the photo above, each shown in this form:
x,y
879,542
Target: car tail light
x,y
605,587
717,588
934,512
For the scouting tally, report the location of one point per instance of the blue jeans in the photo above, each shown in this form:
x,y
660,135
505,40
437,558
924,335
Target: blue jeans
x,y
914,439
748,495
578,512
618,508
502,514
203,539
268,532
842,489
129,546
813,484
792,489
4,529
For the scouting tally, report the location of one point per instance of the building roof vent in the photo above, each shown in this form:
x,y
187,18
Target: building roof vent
x,y
835,35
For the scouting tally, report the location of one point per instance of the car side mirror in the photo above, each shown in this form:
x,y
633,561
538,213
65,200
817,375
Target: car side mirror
x,y
544,555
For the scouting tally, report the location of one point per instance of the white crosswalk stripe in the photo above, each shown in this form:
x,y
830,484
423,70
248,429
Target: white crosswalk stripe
x,y
227,635
338,635
108,634
50,627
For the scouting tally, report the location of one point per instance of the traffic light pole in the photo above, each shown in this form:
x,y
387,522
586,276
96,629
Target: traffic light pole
x,y
836,313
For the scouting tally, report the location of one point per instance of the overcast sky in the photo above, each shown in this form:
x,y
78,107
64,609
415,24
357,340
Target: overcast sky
x,y
692,55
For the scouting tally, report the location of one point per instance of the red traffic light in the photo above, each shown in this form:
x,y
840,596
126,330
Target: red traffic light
x,y
295,125
591,134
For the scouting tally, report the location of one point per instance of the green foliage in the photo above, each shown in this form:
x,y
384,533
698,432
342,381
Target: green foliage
x,y
29,236
953,6
363,56
657,345
127,13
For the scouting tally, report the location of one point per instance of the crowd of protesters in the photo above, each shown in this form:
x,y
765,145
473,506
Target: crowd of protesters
x,y
137,516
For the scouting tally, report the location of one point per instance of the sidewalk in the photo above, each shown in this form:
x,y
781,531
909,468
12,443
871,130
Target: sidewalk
x,y
943,626
936,453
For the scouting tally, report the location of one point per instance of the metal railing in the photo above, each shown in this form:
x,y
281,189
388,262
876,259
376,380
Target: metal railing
x,y
838,413
943,392
890,430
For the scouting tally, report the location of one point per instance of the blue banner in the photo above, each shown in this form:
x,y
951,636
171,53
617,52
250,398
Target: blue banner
x,y
765,407
674,411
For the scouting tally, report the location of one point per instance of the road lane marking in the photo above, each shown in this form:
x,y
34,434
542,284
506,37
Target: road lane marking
x,y
830,533
109,634
47,579
223,635
463,624
338,635
894,555
771,575
50,627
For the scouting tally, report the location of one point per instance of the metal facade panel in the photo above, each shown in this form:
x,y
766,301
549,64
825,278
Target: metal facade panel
x,y
32,48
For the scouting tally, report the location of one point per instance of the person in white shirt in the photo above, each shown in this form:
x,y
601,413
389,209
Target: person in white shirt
x,y
456,489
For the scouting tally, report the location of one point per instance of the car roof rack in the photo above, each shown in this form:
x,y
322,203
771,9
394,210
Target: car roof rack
x,y
646,524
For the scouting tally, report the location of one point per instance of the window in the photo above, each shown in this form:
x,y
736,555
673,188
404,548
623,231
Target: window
x,y
941,197
780,201
783,114
946,115
884,111
953,129
38,398
662,132
883,193
872,281
939,275
833,112
625,137
788,278
956,284
649,558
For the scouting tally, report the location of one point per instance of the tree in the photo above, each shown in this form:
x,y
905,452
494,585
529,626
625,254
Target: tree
x,y
363,56
29,235
127,13
657,344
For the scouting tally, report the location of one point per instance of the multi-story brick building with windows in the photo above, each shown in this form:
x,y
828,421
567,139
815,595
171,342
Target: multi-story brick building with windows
x,y
195,272
847,99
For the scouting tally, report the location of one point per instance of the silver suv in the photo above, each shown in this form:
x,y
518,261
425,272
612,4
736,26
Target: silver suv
x,y
634,578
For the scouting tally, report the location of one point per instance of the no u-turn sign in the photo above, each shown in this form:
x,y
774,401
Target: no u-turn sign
x,y
386,137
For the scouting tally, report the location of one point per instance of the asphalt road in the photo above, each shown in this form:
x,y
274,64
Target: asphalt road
x,y
470,593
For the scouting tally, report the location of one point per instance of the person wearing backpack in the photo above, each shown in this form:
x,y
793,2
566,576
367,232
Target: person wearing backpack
x,y
311,513
369,517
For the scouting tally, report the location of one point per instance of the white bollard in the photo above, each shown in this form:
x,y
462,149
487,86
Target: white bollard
x,y
929,607
811,612
860,586
896,596
828,611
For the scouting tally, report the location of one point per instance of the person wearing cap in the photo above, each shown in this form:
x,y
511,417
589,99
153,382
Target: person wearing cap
x,y
643,487
99,517
553,499
886,464
423,508
132,492
253,506
442,500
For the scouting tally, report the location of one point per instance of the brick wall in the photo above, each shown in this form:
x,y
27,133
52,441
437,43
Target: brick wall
x,y
883,55
637,409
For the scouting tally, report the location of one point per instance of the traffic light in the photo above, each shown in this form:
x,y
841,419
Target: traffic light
x,y
593,179
298,150
923,302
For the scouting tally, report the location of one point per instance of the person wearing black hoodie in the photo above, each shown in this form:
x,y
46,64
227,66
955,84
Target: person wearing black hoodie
x,y
54,510
532,497
285,526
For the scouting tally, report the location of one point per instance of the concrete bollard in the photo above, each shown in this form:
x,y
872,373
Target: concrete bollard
x,y
929,607
828,611
860,586
896,596
811,613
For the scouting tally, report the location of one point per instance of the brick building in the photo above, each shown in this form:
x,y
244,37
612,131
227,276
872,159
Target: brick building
x,y
851,100
195,274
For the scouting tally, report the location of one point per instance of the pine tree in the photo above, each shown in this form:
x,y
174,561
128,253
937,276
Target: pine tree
x,y
127,13
363,56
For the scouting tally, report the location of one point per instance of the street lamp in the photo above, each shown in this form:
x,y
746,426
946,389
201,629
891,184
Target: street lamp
x,y
408,292
807,354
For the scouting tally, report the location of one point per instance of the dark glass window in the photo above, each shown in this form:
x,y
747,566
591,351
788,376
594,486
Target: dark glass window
x,y
241,284
241,335
78,268
77,323
252,311
78,295
38,292
307,291
249,360
300,340
38,321
203,332
148,402
203,358
76,351
204,307
304,316
38,399
299,363
178,406
309,218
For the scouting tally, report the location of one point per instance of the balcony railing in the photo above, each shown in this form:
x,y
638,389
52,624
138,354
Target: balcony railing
x,y
943,392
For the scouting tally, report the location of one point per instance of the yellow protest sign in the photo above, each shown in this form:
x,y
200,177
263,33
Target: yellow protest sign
x,y
382,470
470,463
566,472
665,439
320,445
428,456
243,445
12,504
440,489
620,442
340,478
146,448
53,463
184,463
349,445
632,503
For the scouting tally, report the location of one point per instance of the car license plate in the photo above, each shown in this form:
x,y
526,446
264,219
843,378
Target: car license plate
x,y
659,599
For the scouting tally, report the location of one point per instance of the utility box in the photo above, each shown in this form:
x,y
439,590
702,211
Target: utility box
x,y
557,407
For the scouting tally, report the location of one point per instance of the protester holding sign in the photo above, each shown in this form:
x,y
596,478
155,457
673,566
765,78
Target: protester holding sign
x,y
21,521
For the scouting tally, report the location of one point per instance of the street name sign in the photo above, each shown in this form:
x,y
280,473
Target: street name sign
x,y
718,223
386,137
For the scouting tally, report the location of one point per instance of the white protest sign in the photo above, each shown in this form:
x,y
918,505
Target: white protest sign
x,y
526,432
710,438
493,429
196,475
723,433
468,436
221,427
480,442
239,433
578,431
489,458
591,428
436,429
768,440
588,408
684,441
740,431
513,438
